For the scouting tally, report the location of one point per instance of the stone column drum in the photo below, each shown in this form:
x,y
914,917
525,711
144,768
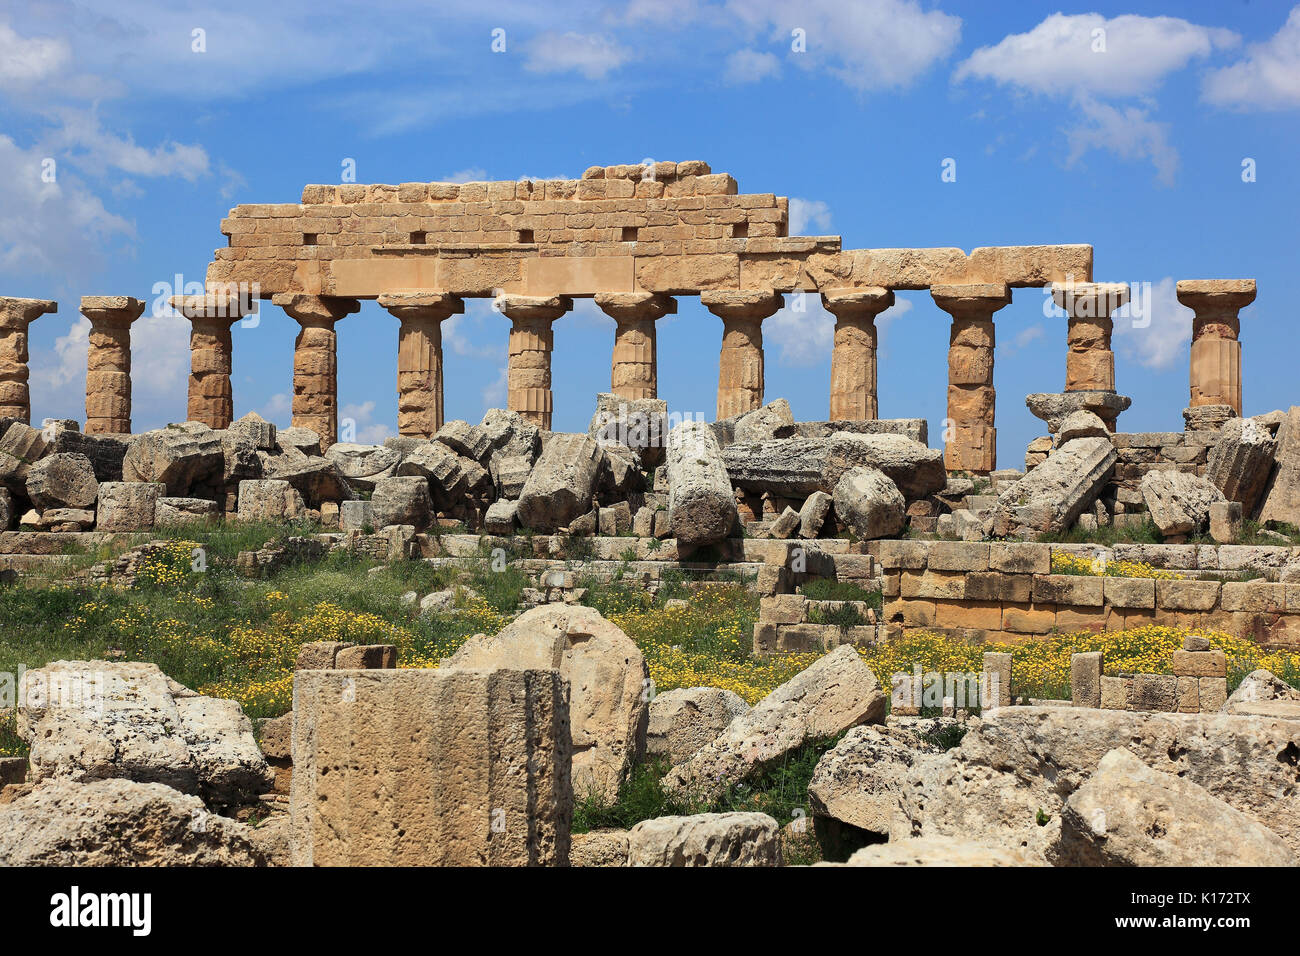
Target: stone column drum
x,y
740,364
853,355
1215,369
315,360
15,316
634,367
108,362
1089,360
211,399
970,436
528,375
419,357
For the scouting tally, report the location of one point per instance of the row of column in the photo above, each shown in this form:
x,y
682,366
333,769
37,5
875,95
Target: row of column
x,y
970,436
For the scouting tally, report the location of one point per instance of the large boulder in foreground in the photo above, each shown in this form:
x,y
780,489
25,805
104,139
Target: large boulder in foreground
x,y
837,692
1017,761
1130,815
701,504
89,720
65,480
1178,502
401,500
608,681
1052,495
182,457
706,839
119,822
869,504
562,483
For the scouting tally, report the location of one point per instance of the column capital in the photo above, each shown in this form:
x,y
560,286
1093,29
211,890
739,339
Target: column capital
x,y
20,313
422,305
1089,300
214,305
315,309
544,308
1215,298
753,304
625,306
865,302
111,309
977,300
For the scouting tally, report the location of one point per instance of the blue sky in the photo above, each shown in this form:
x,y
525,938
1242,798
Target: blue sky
x,y
1121,125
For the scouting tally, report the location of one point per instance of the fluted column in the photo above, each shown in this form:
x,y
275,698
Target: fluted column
x,y
15,316
853,354
528,375
315,360
1215,369
740,364
419,357
970,435
633,367
211,399
108,362
1089,360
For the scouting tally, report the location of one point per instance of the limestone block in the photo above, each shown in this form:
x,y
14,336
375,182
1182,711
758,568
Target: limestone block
x,y
444,767
701,503
401,501
706,839
269,499
128,505
1085,679
1178,502
869,504
62,481
684,720
561,485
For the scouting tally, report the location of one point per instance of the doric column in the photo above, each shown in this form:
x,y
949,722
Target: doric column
x,y
634,367
853,355
211,400
108,362
315,360
528,377
1089,361
1215,370
740,364
970,436
15,316
419,357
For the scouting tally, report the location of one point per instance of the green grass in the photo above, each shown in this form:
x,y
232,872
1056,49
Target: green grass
x,y
824,589
1145,533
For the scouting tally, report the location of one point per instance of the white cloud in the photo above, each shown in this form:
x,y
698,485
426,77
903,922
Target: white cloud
x,y
1086,53
806,337
96,149
1154,328
278,409
359,418
589,54
28,60
807,215
869,45
750,66
472,175
1126,131
494,394
1267,79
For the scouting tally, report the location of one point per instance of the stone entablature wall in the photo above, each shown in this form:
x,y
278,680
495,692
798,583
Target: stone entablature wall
x,y
1006,591
685,231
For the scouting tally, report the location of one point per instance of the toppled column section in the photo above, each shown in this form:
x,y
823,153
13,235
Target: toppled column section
x,y
108,362
1215,369
701,504
528,378
561,485
740,364
211,400
15,316
853,355
1052,495
315,360
972,400
634,367
430,768
419,358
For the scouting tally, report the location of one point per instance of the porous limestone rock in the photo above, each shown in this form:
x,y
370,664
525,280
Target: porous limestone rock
x,y
363,465
941,851
269,499
1281,497
562,482
62,481
684,720
607,675
116,822
1259,686
465,439
835,693
860,786
1051,496
706,839
401,500
869,504
813,514
128,505
800,466
174,511
598,848
701,503
1241,460
1178,502
181,456
1127,814
1081,424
